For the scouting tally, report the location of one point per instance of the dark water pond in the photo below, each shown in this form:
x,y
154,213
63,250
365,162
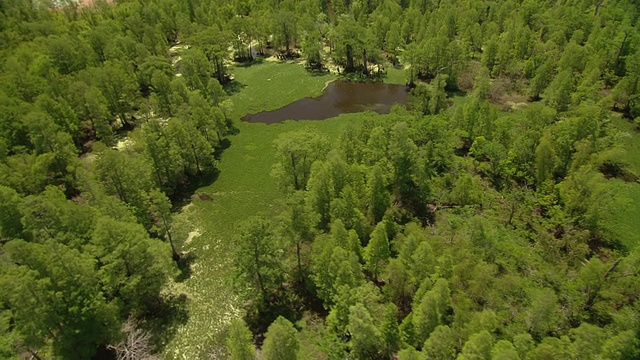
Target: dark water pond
x,y
338,97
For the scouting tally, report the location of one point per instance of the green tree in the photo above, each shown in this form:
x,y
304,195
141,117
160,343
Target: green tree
x,y
365,336
134,267
10,226
239,342
430,310
127,176
256,258
281,341
410,353
193,148
161,84
542,79
54,295
377,251
297,151
389,331
160,209
298,229
504,350
478,347
441,344
117,84
558,94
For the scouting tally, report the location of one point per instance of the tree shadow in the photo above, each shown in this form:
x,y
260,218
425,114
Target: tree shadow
x,y
224,145
165,318
185,264
246,64
318,72
234,87
183,194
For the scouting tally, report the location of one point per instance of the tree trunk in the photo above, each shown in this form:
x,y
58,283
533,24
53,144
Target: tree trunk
x,y
299,262
34,354
598,7
195,157
349,58
364,60
621,49
256,258
295,173
175,254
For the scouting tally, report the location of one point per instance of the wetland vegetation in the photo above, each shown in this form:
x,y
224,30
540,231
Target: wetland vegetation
x,y
494,217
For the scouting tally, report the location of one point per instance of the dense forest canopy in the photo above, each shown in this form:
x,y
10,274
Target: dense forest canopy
x,y
471,225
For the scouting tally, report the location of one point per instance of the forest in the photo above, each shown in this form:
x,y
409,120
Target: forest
x,y
492,216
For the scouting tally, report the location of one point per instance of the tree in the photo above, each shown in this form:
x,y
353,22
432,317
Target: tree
x,y
161,84
127,176
255,258
319,192
194,149
214,44
196,69
297,151
311,48
545,160
281,341
134,267
285,25
136,345
410,353
430,310
542,79
441,344
389,331
215,92
298,228
558,93
54,294
543,312
239,342
478,347
377,251
163,154
587,340
504,350
160,208
365,337
118,87
10,226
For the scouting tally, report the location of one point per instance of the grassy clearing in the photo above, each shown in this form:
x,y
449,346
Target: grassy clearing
x,y
244,188
623,221
396,76
270,85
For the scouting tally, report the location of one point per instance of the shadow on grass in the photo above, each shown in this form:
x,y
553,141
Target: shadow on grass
x,y
164,319
185,265
318,72
245,64
233,87
183,195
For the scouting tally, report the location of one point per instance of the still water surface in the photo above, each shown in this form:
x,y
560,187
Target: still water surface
x,y
337,98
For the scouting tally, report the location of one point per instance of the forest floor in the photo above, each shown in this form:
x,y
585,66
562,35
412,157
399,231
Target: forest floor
x,y
243,188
